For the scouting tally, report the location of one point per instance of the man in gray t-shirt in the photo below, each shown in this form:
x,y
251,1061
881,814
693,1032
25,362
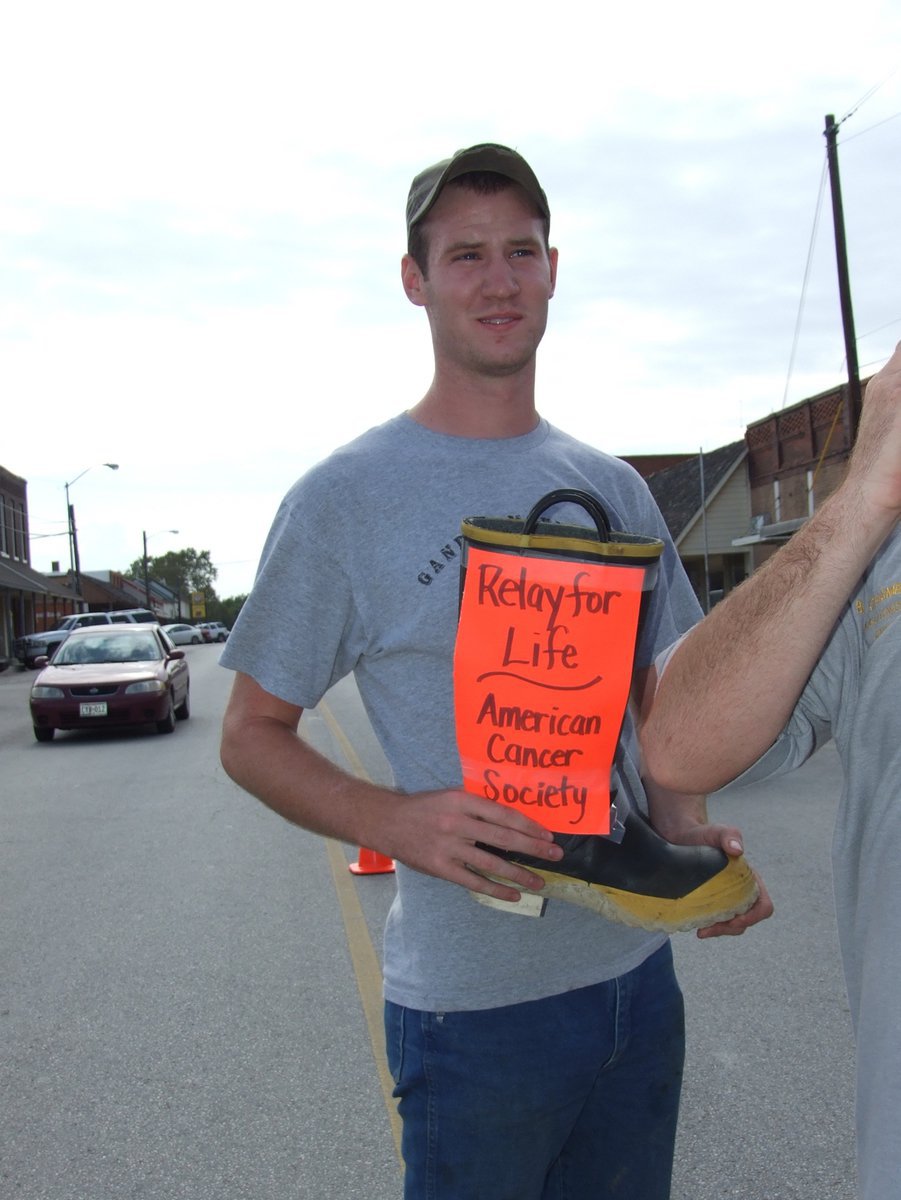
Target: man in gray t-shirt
x,y
807,649
524,1051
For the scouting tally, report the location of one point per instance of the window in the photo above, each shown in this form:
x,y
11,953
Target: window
x,y
19,550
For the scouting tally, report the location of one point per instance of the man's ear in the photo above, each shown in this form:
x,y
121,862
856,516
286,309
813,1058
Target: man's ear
x,y
412,279
552,255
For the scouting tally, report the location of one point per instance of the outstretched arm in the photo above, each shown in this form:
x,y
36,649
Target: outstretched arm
x,y
682,819
731,685
433,832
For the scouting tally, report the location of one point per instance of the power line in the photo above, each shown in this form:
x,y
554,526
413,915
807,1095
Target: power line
x,y
875,362
868,96
813,237
870,128
879,328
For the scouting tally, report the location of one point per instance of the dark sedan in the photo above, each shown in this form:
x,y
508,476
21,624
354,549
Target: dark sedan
x,y
111,676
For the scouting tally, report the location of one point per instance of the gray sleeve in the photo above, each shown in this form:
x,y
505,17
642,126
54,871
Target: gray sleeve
x,y
791,749
828,692
298,632
812,722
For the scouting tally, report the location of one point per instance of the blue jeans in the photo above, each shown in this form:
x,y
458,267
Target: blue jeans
x,y
574,1097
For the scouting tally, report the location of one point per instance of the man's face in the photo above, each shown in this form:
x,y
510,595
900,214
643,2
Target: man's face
x,y
490,277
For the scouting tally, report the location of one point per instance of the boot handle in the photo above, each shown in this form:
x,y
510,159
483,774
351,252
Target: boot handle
x,y
585,500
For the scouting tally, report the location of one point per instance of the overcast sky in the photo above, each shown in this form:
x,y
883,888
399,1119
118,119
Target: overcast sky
x,y
201,222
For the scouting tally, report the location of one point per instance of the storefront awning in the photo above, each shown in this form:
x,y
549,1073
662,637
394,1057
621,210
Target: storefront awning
x,y
17,577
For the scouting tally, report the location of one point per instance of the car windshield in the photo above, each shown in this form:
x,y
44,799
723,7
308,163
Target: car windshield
x,y
140,647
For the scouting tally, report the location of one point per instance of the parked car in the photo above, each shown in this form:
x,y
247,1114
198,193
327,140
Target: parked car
x,y
184,635
217,630
29,648
111,676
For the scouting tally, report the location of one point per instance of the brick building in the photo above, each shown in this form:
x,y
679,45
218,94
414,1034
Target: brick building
x,y
728,510
24,593
796,459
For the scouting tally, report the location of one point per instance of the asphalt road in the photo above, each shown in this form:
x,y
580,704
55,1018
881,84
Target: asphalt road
x,y
189,994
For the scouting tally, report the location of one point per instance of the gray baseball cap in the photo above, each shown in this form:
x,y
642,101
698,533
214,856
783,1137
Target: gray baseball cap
x,y
488,156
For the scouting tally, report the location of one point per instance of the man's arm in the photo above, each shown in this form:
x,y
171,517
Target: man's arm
x,y
730,687
434,832
682,819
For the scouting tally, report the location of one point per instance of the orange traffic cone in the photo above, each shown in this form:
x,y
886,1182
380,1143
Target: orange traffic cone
x,y
371,862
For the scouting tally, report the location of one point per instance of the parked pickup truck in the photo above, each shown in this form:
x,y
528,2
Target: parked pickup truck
x,y
29,648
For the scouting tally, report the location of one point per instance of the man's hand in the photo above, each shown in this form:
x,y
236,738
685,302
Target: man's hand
x,y
728,839
442,834
433,832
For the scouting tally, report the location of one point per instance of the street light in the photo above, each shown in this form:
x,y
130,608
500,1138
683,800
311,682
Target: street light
x,y
74,564
146,575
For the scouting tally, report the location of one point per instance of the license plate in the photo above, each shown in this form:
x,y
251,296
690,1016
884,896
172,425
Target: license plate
x,y
93,710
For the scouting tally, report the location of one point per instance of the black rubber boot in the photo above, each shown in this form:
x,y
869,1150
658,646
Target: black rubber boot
x,y
640,880
645,880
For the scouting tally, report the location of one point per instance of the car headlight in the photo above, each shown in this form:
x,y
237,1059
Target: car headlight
x,y
146,685
40,692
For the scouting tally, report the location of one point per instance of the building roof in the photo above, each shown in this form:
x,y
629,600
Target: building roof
x,y
677,489
112,596
649,464
18,577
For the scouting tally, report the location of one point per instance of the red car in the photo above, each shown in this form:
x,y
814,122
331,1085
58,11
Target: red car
x,y
111,676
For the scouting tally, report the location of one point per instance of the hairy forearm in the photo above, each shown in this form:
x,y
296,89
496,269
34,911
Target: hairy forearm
x,y
731,686
438,833
273,763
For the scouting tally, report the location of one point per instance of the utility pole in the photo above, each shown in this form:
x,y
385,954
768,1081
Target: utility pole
x,y
147,535
146,573
74,561
704,526
852,407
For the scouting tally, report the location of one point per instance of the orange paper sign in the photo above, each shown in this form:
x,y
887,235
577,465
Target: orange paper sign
x,y
542,671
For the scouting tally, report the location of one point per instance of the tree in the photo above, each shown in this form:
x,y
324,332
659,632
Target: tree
x,y
183,571
227,609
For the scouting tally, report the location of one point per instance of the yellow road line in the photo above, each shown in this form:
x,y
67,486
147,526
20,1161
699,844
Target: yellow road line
x,y
362,952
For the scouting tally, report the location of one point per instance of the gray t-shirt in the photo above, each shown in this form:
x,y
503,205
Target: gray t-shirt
x,y
852,696
360,574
